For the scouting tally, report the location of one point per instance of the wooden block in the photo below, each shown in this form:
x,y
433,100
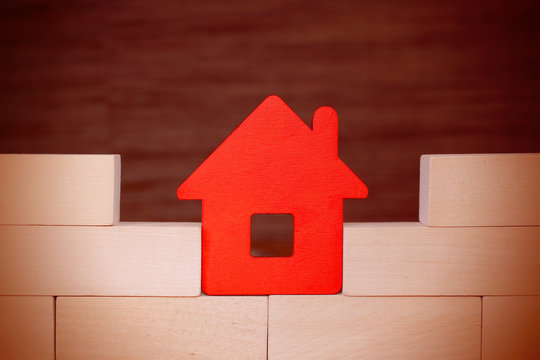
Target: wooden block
x,y
341,327
59,189
130,259
480,190
274,164
206,327
26,327
413,259
511,328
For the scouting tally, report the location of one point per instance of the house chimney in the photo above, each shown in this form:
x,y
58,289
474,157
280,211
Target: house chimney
x,y
325,128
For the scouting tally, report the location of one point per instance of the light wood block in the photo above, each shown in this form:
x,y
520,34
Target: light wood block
x,y
341,327
413,259
26,327
206,327
511,328
59,189
480,190
130,259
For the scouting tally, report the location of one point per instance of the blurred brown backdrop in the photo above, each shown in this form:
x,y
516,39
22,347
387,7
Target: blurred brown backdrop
x,y
164,82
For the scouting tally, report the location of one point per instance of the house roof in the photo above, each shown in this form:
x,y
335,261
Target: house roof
x,y
275,152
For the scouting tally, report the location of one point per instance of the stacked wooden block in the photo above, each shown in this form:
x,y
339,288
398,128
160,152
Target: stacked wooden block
x,y
62,248
463,283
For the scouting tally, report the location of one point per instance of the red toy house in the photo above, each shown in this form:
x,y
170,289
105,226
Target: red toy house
x,y
273,163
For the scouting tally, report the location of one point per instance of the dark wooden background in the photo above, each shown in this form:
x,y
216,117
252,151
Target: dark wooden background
x,y
164,82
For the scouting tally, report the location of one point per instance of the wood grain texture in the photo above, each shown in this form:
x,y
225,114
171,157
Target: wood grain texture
x,y
157,328
511,328
164,82
480,190
26,327
59,189
413,259
130,259
340,327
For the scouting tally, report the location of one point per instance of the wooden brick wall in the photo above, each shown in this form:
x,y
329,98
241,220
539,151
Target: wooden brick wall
x,y
132,290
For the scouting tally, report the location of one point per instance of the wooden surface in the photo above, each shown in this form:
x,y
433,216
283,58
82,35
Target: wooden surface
x,y
480,190
26,327
59,189
511,328
130,259
158,328
340,327
413,259
163,83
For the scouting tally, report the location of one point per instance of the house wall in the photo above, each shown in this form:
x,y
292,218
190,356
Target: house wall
x,y
164,82
314,267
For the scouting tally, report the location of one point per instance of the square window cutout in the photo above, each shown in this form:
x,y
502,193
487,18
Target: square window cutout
x,y
272,235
